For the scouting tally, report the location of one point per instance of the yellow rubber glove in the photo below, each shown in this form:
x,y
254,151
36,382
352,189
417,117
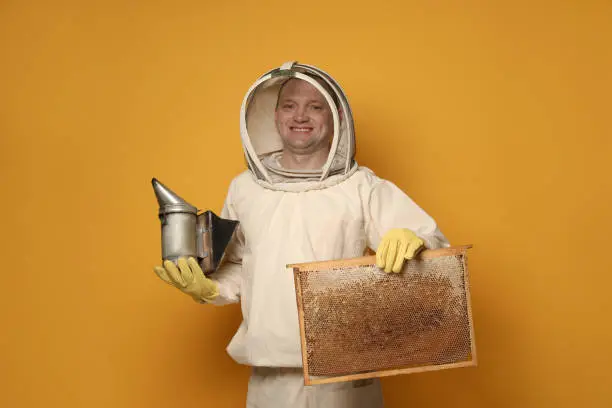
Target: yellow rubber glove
x,y
396,246
188,278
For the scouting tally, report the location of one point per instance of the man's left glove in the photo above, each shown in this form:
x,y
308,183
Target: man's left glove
x,y
189,279
396,246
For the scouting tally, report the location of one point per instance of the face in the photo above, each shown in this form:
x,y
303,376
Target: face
x,y
303,118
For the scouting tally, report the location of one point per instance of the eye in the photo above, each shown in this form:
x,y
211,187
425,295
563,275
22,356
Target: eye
x,y
287,105
317,107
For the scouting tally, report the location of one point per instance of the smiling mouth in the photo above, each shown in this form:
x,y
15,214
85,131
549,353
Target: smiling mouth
x,y
300,129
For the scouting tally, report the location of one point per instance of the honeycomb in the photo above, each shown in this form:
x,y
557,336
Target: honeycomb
x,y
355,318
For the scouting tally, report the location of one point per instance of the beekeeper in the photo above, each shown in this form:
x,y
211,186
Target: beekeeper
x,y
303,198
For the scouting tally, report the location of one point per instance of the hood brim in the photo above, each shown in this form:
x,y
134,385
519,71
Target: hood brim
x,y
260,136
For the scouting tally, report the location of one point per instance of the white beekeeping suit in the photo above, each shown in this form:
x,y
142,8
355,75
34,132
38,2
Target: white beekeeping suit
x,y
300,216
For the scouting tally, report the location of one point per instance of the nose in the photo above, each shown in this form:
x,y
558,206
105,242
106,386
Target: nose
x,y
300,114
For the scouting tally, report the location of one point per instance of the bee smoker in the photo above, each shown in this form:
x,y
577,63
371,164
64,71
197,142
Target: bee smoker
x,y
185,233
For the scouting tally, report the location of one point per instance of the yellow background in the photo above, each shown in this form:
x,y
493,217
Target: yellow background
x,y
494,116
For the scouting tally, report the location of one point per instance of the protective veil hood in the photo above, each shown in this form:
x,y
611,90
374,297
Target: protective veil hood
x,y
263,145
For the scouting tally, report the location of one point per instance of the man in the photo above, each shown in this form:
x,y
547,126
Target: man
x,y
303,198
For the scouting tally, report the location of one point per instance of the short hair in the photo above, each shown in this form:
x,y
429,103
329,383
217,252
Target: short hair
x,y
321,82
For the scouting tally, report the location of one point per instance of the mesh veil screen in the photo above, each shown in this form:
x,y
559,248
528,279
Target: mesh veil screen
x,y
356,318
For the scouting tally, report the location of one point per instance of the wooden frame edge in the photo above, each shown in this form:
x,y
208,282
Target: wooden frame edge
x,y
371,259
388,373
468,299
298,298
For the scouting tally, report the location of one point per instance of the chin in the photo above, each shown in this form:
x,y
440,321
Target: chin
x,y
300,141
301,148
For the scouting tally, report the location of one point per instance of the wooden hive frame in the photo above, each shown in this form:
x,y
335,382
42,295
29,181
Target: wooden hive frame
x,y
329,267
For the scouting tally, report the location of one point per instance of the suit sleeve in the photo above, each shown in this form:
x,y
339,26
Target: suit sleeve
x,y
387,207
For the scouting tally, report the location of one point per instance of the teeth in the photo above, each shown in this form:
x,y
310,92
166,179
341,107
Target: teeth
x,y
300,129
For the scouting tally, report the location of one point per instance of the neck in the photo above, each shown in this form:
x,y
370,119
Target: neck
x,y
309,161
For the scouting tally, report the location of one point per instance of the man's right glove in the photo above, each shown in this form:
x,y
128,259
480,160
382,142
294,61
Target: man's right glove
x,y
189,279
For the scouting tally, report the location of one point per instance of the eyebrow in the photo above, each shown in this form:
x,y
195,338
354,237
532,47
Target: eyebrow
x,y
289,99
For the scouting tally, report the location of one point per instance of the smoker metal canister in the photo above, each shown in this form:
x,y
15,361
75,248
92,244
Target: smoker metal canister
x,y
178,224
